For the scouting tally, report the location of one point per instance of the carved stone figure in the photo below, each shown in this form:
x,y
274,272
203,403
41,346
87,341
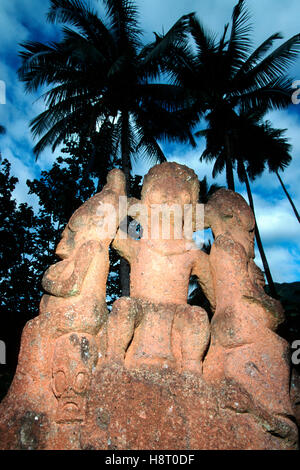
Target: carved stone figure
x,y
156,319
76,299
77,285
244,346
154,373
75,355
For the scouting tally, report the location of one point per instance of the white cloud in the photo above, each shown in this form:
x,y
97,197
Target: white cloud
x,y
283,262
25,19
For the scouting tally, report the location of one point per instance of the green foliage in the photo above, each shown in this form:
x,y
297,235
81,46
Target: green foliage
x,y
28,239
18,286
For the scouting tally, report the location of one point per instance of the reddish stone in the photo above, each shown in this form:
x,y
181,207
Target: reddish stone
x,y
147,377
295,394
244,346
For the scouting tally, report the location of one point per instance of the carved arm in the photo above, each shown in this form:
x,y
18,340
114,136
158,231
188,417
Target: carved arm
x,y
201,270
65,278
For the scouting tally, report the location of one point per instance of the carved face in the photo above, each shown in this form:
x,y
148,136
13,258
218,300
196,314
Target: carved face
x,y
74,357
170,183
175,188
76,231
67,244
228,213
74,235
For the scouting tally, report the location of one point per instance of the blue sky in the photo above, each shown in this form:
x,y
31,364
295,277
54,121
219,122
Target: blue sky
x,y
22,20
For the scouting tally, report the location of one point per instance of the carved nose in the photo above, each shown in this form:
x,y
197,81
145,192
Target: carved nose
x,y
62,250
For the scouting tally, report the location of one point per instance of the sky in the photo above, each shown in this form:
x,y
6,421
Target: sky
x,y
22,20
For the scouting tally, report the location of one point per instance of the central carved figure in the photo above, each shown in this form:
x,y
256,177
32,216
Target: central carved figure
x,y
154,372
156,325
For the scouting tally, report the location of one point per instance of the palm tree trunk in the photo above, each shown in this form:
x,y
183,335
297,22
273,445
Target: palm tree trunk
x,y
259,242
288,196
125,149
125,155
229,168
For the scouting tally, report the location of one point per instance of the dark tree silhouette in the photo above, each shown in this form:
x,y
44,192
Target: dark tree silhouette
x,y
101,83
224,77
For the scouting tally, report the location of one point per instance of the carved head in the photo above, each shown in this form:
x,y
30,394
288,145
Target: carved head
x,y
170,183
228,213
75,355
169,192
82,226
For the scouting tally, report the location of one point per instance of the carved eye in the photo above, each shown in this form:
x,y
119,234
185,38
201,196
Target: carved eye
x,y
60,382
227,216
80,383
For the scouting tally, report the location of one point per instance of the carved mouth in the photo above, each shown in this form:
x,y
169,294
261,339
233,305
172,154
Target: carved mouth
x,y
71,406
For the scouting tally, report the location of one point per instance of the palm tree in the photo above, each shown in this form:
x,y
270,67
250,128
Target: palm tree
x,y
225,77
260,145
278,156
101,86
98,78
255,145
222,76
287,195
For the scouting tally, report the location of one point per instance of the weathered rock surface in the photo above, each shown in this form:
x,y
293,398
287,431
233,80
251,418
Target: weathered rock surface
x,y
155,373
149,409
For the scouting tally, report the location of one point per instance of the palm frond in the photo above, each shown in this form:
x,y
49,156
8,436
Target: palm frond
x,y
54,136
68,11
124,22
257,55
239,42
276,63
219,165
223,43
150,150
167,50
204,40
81,15
275,95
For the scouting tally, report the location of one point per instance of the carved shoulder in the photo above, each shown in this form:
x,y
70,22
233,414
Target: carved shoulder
x,y
126,247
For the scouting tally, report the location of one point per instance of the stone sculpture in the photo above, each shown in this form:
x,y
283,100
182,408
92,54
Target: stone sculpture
x,y
244,346
77,285
154,373
75,299
73,361
162,328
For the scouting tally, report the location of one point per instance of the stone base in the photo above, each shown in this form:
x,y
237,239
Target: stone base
x,y
147,409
